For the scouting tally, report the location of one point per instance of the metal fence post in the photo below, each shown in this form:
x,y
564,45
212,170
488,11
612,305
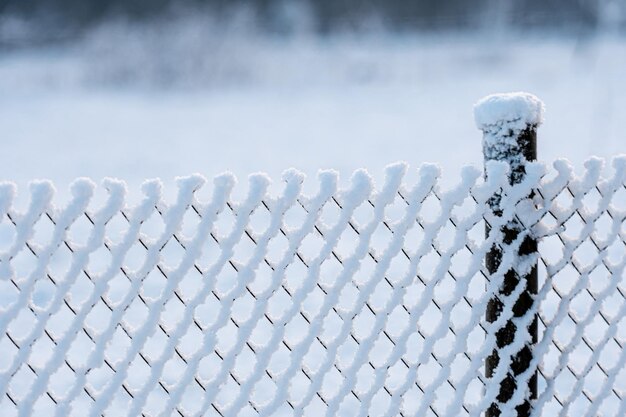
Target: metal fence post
x,y
509,123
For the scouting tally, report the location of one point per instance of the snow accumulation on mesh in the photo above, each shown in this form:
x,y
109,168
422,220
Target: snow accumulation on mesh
x,y
516,109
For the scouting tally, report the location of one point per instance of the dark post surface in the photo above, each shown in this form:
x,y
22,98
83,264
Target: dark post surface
x,y
515,146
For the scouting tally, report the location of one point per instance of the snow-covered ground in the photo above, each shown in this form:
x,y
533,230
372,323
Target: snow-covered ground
x,y
133,106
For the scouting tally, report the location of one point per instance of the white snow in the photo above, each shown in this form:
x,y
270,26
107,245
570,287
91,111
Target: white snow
x,y
341,103
513,110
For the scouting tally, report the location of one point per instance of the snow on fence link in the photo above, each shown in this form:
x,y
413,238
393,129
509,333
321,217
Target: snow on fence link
x,y
352,301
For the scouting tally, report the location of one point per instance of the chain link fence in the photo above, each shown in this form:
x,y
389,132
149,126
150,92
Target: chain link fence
x,y
356,301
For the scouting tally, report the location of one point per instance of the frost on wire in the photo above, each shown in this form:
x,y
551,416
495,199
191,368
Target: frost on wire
x,y
361,301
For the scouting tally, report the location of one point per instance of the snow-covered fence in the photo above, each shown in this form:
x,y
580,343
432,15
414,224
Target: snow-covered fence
x,y
350,301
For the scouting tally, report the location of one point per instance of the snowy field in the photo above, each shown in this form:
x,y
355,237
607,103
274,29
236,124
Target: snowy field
x,y
158,107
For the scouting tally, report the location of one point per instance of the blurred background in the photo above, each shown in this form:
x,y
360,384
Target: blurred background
x,y
137,88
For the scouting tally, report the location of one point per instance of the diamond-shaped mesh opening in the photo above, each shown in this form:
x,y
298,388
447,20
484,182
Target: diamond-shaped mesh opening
x,y
396,273
260,220
585,255
381,350
363,324
135,257
157,398
563,200
224,223
298,387
413,238
172,371
21,382
241,310
311,246
43,294
152,286
135,315
191,284
192,399
428,265
363,214
98,318
277,248
22,324
564,281
603,229
348,297
153,227
330,214
295,276
119,404
99,261
171,313
346,352
460,262
41,352
80,231
296,330
331,381
315,355
280,360
381,296
347,243
244,250
278,303
446,237
211,252
430,210
208,367
551,249
444,289
206,313
226,279
329,272
80,291
397,321
23,265
116,228
592,201
43,406
262,280
396,210
80,349
261,333
154,346
171,254
244,364
295,217
138,374
429,319
60,263
118,345
226,337
43,231
190,224
264,391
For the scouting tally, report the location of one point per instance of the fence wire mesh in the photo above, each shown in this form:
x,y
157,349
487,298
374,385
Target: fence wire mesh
x,y
349,302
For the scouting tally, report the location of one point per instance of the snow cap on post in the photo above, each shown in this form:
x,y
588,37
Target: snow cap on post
x,y
515,110
509,124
